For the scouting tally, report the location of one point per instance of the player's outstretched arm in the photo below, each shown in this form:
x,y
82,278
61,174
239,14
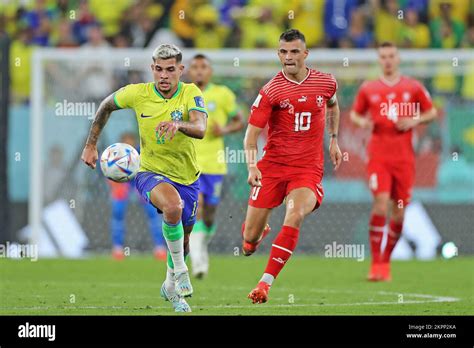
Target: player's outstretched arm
x,y
251,150
332,118
194,128
90,154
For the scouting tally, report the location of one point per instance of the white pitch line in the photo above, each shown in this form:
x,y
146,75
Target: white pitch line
x,y
426,299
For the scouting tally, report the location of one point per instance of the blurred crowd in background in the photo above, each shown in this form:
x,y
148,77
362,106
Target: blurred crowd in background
x,y
214,24
239,23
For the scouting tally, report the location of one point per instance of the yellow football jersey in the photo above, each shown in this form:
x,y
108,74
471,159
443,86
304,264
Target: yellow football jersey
x,y
175,159
221,106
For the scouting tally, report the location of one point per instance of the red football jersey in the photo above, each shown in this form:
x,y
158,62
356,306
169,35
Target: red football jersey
x,y
295,113
386,103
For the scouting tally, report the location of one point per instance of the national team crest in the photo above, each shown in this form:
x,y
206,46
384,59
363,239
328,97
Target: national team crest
x,y
176,115
319,101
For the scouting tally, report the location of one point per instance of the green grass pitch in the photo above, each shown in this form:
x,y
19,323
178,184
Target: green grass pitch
x,y
308,285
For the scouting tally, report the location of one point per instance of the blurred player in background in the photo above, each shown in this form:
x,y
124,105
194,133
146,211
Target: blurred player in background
x,y
120,197
395,104
224,118
170,114
295,104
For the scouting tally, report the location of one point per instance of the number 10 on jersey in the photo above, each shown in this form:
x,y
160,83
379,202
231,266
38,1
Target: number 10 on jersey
x,y
302,121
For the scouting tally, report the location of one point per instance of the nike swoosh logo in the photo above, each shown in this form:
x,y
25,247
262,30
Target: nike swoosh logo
x,y
145,116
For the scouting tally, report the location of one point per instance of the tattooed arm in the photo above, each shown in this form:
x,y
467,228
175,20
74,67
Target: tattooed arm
x,y
332,118
194,128
90,154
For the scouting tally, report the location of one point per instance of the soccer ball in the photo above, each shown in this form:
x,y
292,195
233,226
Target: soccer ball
x,y
120,162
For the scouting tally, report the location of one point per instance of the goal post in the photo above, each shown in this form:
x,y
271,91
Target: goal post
x,y
5,206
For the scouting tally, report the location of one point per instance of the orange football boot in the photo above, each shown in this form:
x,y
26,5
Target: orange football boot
x,y
385,274
160,253
117,254
260,293
374,273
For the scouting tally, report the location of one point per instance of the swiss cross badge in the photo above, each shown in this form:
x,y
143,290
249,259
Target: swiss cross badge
x,y
319,101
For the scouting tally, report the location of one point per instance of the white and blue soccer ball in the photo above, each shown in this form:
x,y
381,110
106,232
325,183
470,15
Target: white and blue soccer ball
x,y
120,162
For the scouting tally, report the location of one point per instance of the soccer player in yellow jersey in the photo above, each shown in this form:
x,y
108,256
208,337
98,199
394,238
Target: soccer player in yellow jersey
x,y
170,116
224,118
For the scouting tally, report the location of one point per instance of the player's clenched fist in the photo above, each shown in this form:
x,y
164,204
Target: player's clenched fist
x,y
255,177
90,155
168,129
335,153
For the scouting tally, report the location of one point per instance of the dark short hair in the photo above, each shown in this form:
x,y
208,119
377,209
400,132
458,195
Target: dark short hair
x,y
387,44
291,35
201,56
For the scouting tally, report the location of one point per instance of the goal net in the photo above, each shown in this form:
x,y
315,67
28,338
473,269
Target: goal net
x,y
68,86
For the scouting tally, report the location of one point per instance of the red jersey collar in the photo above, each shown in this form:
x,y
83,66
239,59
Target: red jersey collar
x,y
298,83
389,83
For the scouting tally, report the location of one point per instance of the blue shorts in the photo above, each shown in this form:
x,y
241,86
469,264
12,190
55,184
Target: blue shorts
x,y
211,187
146,181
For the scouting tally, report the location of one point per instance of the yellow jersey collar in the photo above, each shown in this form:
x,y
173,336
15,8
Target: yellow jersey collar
x,y
174,95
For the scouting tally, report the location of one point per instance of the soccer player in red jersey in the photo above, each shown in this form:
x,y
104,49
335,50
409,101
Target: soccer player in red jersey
x,y
295,104
395,105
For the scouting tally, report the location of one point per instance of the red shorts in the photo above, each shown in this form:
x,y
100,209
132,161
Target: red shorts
x,y
397,178
278,181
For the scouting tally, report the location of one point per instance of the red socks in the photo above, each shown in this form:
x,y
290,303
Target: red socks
x,y
282,248
376,227
394,233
